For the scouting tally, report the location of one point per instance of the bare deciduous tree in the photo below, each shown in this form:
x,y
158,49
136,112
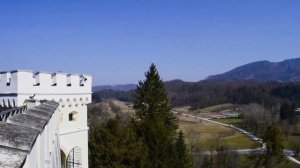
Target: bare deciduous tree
x,y
256,117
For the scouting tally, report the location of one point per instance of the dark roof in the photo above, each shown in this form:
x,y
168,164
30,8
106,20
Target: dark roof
x,y
19,132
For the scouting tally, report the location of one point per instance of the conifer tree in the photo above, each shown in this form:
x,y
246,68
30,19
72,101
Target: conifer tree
x,y
114,145
154,119
151,101
273,155
182,157
273,139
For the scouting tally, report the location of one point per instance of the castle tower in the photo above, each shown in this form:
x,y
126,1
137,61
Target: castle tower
x,y
71,91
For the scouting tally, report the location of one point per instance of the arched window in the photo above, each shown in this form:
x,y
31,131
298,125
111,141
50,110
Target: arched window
x,y
74,158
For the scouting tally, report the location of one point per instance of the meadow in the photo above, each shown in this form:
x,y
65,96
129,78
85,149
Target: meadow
x,y
201,134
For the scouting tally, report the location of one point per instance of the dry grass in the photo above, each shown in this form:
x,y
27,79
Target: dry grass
x,y
183,109
233,121
201,133
124,106
216,108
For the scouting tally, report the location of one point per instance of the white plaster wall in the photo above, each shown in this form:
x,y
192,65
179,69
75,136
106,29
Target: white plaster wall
x,y
44,153
74,133
63,99
23,82
8,77
80,118
46,81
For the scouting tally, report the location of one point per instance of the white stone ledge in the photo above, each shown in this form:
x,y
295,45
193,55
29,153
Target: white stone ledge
x,y
74,131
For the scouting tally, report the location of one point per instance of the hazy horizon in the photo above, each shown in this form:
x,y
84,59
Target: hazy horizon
x,y
116,41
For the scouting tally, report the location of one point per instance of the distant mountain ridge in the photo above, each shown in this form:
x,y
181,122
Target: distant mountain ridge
x,y
125,87
285,71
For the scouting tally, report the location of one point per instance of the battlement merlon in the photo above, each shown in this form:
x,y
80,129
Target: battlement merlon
x,y
29,82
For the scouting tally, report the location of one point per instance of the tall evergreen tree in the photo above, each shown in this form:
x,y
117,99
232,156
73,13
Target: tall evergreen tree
x,y
151,101
182,157
114,145
154,119
272,137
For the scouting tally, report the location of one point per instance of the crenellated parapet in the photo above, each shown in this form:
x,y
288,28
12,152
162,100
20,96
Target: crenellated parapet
x,y
19,85
23,81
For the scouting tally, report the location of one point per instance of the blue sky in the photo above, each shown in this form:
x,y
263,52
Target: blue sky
x,y
117,40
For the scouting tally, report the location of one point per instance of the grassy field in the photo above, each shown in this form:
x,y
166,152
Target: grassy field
x,y
216,108
183,109
293,138
209,109
246,161
233,121
201,133
290,139
239,123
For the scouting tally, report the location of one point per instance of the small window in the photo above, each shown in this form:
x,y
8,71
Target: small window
x,y
71,117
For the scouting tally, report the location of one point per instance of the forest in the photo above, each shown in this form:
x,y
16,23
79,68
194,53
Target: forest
x,y
128,139
211,92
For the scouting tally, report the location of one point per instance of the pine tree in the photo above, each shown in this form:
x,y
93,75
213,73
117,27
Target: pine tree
x,y
182,157
154,119
274,146
114,145
273,139
151,101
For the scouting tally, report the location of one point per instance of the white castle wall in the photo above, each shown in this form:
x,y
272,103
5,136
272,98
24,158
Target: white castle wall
x,y
44,85
46,149
74,133
21,81
72,91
